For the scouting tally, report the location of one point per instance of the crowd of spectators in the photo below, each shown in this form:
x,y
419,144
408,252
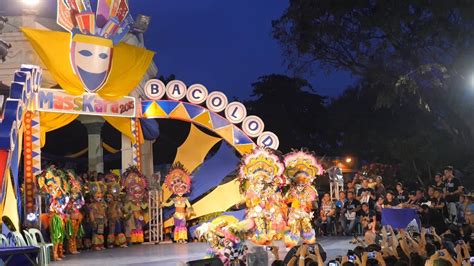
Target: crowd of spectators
x,y
358,208
445,210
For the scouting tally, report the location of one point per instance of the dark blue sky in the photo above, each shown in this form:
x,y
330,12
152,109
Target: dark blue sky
x,y
225,45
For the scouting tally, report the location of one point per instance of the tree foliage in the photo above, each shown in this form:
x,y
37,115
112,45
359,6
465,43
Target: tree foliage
x,y
292,110
409,49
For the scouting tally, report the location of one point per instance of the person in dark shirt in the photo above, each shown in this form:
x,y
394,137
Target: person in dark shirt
x,y
379,187
367,217
402,195
390,200
438,181
365,188
430,191
412,201
452,190
349,213
420,195
439,204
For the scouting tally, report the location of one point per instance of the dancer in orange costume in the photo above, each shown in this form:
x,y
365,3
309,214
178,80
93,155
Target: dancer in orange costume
x,y
301,169
179,182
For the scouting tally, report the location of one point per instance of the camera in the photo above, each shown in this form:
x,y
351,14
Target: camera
x,y
351,258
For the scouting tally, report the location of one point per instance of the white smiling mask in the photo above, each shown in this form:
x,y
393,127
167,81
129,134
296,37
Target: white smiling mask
x,y
91,59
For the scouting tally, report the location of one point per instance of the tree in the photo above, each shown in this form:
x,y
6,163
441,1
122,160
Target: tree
x,y
292,110
405,136
409,49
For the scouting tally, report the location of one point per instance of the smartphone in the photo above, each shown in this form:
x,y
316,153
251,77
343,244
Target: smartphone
x,y
471,260
333,263
351,258
268,248
371,255
311,249
441,253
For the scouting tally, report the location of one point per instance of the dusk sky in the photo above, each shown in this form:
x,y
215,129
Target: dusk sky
x,y
224,45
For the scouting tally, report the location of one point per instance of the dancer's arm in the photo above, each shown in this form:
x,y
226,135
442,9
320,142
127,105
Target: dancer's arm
x,y
169,203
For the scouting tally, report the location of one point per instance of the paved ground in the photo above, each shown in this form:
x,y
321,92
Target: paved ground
x,y
175,254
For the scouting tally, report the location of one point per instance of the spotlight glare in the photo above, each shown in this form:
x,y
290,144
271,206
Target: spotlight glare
x,y
348,160
31,2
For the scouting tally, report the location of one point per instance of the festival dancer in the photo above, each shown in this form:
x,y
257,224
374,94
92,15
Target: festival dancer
x,y
261,177
97,214
75,217
301,169
225,245
114,212
179,182
50,182
136,204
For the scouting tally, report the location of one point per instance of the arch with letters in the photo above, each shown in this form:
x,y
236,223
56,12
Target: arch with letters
x,y
210,110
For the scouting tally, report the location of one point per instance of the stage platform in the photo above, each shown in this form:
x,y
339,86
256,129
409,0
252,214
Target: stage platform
x,y
176,254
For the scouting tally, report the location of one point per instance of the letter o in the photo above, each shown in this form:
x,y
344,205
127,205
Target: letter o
x,y
253,126
197,94
176,90
154,89
216,101
269,140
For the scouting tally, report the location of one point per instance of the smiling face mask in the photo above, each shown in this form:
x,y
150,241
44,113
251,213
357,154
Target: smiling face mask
x,y
91,59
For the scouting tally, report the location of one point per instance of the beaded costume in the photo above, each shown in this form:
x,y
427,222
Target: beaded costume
x,y
179,182
98,214
50,182
261,176
114,212
75,217
225,245
136,204
301,169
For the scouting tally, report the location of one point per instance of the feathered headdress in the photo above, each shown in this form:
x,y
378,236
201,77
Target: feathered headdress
x,y
52,179
73,180
262,164
97,187
132,177
178,178
302,167
111,21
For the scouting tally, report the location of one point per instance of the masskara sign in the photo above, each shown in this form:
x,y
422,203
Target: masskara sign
x,y
58,101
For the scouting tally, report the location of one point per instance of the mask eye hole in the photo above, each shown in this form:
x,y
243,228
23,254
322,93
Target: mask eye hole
x,y
103,55
85,53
